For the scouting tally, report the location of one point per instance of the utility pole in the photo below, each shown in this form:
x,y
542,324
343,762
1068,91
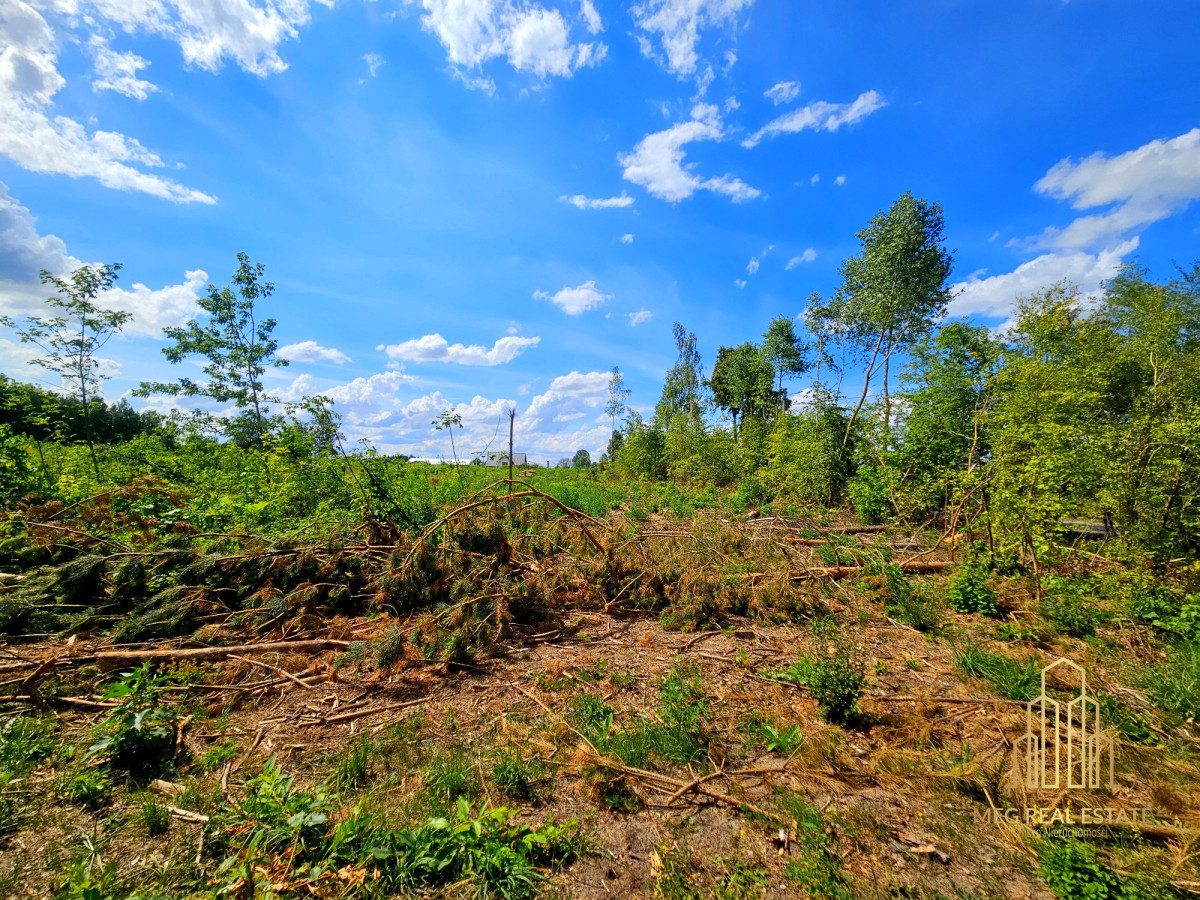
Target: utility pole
x,y
512,415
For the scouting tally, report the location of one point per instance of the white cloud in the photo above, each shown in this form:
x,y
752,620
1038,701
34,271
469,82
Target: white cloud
x,y
806,257
367,401
639,317
731,104
815,179
154,310
311,351
30,137
656,162
24,253
587,9
677,24
819,116
627,239
118,71
840,180
435,348
374,62
997,295
740,282
533,39
581,202
1141,186
208,32
783,92
575,301
756,261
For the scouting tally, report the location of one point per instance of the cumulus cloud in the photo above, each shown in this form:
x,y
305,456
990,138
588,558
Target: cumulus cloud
x,y
371,400
1140,186
783,92
29,80
24,253
656,163
374,62
677,25
627,239
154,310
435,348
637,318
840,180
311,351
819,116
532,38
806,257
996,295
119,71
575,301
579,201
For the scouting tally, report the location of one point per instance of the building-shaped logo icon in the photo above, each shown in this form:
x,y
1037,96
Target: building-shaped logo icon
x,y
1064,745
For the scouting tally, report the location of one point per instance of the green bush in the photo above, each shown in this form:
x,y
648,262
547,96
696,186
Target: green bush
x,y
1065,606
836,684
968,592
1073,873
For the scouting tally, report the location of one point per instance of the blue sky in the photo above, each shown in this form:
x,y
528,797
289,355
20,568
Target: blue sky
x,y
485,203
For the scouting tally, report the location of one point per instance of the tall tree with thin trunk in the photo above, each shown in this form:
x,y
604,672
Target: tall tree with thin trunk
x,y
71,340
682,392
238,347
618,394
785,351
893,291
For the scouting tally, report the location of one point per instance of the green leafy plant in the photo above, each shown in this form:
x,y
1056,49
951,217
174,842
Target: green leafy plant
x,y
1066,607
837,683
140,733
1073,873
968,592
784,740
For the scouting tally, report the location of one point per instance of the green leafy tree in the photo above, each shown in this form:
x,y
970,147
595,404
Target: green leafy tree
x,y
238,347
70,340
682,393
581,460
785,351
892,291
448,421
743,382
616,406
944,440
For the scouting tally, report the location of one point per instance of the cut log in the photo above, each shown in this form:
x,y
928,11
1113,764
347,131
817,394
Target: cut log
x,y
109,659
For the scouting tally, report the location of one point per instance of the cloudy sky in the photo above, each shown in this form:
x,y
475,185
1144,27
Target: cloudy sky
x,y
489,203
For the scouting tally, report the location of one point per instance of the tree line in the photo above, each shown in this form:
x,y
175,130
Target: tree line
x,y
1081,406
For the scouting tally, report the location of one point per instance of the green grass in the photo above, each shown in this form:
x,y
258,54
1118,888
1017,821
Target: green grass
x,y
1011,678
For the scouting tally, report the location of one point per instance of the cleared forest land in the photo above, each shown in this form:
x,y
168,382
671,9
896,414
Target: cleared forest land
x,y
566,686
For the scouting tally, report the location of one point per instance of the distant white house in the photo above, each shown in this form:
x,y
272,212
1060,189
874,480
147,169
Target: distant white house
x,y
496,460
436,461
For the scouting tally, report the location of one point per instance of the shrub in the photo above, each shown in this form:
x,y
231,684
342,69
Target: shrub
x,y
836,684
968,592
1073,873
1066,607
